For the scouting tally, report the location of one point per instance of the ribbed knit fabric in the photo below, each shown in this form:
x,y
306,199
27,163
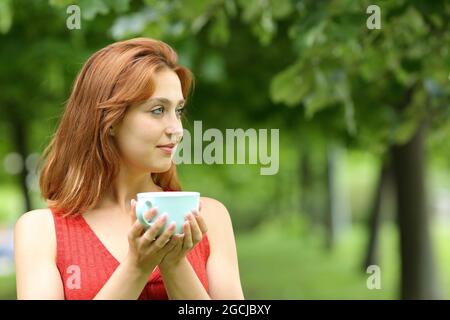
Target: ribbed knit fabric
x,y
85,264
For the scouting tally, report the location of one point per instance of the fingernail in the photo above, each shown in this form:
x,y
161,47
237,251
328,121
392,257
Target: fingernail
x,y
195,212
172,226
148,214
132,202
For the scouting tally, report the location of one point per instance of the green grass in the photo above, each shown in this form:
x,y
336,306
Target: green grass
x,y
441,241
8,287
281,261
286,259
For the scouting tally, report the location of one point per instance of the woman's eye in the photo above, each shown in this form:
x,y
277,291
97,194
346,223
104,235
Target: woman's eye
x,y
160,110
157,111
180,111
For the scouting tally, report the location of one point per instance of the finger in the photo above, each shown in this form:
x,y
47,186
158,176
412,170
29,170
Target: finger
x,y
150,235
175,242
187,243
200,205
180,242
136,230
195,229
150,214
200,221
133,211
164,238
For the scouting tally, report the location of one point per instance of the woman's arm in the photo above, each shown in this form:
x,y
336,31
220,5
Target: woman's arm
x,y
222,267
181,281
126,283
37,276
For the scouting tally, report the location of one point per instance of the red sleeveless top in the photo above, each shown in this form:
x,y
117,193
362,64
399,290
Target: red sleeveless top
x,y
85,264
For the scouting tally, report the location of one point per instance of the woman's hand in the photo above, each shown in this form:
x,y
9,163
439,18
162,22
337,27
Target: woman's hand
x,y
193,230
145,252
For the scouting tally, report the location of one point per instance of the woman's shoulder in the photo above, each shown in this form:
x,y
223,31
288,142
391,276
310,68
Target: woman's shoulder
x,y
36,218
212,203
214,212
36,226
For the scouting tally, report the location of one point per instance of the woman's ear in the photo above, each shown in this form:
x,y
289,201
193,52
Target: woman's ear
x,y
112,132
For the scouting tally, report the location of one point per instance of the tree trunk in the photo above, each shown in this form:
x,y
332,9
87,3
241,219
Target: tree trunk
x,y
306,185
19,138
418,279
376,215
331,197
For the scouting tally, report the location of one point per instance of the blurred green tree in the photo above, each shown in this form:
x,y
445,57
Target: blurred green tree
x,y
374,89
385,86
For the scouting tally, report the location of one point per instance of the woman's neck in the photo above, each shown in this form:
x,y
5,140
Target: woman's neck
x,y
127,187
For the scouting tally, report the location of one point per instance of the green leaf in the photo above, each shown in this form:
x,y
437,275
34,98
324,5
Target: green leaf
x,y
133,24
290,86
219,32
120,5
251,9
342,90
267,23
155,29
62,3
415,20
193,9
315,35
281,8
6,15
317,101
230,7
54,80
91,8
213,68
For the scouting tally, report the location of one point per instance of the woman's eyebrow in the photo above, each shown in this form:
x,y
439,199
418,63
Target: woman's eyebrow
x,y
165,100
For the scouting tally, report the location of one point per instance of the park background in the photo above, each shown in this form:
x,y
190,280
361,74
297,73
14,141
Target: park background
x,y
362,112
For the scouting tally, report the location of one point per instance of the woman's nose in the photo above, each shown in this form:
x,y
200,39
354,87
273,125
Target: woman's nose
x,y
175,133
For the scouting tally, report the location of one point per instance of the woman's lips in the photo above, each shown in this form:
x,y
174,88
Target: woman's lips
x,y
166,150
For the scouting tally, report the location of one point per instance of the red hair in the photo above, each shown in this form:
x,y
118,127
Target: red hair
x,y
81,162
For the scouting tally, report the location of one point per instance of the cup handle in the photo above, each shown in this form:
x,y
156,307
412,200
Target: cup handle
x,y
141,208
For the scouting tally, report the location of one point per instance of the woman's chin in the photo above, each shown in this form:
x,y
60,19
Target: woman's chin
x,y
161,167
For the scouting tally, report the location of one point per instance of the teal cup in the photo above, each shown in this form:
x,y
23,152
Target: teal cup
x,y
177,204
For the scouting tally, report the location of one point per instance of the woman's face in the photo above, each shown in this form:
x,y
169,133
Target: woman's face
x,y
148,125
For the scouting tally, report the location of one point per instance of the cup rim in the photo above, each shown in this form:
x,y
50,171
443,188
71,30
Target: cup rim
x,y
167,194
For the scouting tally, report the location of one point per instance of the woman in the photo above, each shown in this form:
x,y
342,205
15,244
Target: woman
x,y
126,104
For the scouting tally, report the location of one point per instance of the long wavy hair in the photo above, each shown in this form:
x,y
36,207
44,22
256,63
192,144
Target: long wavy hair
x,y
81,162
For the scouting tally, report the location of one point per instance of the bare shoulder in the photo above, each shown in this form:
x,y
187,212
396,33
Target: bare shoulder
x,y
222,265
37,276
36,226
39,218
218,222
214,211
